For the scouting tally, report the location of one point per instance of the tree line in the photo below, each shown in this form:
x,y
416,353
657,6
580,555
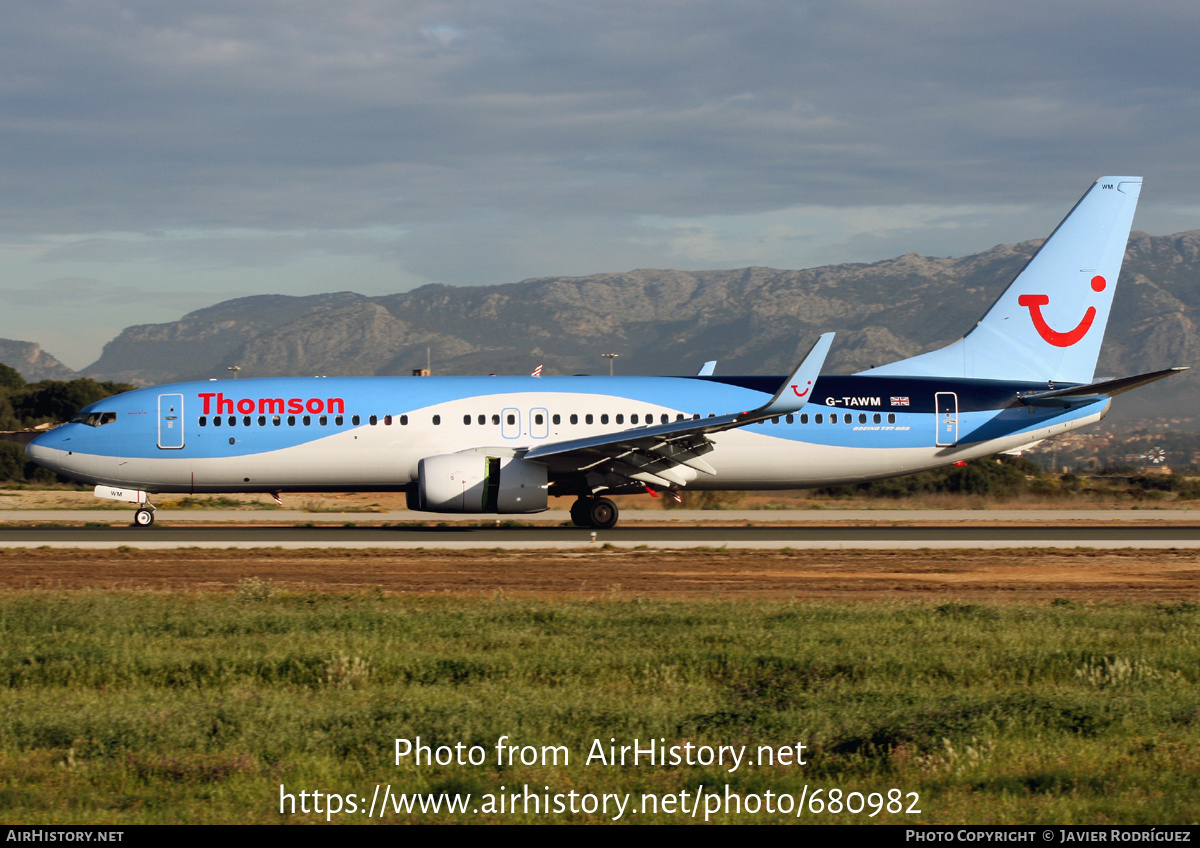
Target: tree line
x,y
24,405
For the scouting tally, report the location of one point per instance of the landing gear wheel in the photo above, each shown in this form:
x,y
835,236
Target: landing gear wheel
x,y
143,517
579,512
602,514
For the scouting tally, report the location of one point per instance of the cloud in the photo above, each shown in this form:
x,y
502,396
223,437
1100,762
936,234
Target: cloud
x,y
135,116
314,144
74,294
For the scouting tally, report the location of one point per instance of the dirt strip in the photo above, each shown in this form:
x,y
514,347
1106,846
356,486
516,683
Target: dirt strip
x,y
1164,576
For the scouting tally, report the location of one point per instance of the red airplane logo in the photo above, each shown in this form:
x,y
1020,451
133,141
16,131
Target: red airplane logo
x,y
1035,302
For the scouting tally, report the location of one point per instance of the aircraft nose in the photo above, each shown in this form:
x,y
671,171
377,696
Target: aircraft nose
x,y
41,452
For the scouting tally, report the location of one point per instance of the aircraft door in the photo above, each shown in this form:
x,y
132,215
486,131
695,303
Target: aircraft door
x,y
510,423
170,421
947,419
539,423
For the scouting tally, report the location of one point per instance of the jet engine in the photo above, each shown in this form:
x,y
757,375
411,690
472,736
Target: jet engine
x,y
475,482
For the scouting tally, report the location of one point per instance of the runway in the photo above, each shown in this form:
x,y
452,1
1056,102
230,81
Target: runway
x,y
865,532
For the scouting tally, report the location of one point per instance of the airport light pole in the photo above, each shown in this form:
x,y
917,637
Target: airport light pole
x,y
235,369
610,357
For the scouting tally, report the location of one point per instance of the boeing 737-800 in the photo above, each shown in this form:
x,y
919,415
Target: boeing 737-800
x,y
504,445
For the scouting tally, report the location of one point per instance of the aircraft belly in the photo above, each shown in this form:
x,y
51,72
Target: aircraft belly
x,y
335,461
754,460
165,474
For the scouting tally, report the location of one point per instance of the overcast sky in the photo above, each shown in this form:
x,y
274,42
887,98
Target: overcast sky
x,y
159,157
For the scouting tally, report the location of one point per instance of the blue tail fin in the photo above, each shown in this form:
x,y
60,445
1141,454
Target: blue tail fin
x,y
1049,323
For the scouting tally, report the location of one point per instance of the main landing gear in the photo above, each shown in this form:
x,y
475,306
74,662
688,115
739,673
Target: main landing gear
x,y
599,513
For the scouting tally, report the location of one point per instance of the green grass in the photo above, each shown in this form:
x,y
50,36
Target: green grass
x,y
156,707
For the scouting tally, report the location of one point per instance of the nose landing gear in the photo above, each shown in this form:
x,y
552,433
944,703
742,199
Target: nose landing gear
x,y
599,513
144,517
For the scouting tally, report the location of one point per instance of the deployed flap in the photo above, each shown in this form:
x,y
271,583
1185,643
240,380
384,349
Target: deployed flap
x,y
1094,391
649,453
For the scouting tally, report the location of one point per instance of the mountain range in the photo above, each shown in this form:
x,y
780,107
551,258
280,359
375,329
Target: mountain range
x,y
752,320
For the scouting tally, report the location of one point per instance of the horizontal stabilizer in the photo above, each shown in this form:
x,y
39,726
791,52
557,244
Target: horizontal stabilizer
x,y
1093,391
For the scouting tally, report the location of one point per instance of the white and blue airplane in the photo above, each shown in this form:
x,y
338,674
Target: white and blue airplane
x,y
504,445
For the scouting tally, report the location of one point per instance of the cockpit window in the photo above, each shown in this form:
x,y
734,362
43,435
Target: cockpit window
x,y
94,419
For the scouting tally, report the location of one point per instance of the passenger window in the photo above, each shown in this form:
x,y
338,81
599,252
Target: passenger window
x,y
466,419
276,420
511,419
246,421
891,418
307,420
262,421
355,420
216,420
373,420
232,421
587,419
482,420
620,418
775,420
495,419
862,418
803,417
339,421
876,418
556,418
665,418
437,419
679,417
633,419
818,418
387,420
291,420
791,419
403,420
324,420
539,419
604,418
574,418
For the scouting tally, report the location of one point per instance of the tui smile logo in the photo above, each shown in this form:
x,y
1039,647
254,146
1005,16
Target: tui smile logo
x,y
1035,302
796,389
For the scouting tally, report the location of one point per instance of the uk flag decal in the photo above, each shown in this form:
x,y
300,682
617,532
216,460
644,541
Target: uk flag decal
x,y
900,401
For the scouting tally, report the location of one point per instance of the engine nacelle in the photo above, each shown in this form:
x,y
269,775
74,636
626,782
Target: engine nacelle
x,y
475,482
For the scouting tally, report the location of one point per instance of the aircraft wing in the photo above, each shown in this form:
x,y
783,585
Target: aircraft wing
x,y
649,453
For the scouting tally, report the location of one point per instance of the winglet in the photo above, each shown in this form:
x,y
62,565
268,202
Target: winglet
x,y
708,368
796,389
